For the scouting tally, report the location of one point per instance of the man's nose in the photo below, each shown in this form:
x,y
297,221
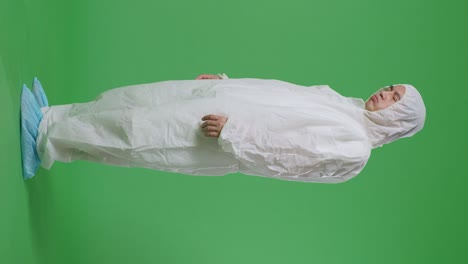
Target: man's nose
x,y
387,93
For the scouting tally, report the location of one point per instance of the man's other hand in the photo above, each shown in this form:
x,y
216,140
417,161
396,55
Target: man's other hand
x,y
207,76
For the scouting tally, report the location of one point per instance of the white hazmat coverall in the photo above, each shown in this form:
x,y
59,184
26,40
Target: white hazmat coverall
x,y
274,129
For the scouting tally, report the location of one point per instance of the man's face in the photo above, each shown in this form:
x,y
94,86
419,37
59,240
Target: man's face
x,y
386,97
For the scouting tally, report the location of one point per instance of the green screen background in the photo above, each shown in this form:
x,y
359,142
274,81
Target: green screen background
x,y
408,205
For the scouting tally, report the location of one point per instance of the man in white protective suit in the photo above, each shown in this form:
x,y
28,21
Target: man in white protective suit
x,y
215,125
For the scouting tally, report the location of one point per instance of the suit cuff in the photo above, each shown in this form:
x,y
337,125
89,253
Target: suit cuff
x,y
223,76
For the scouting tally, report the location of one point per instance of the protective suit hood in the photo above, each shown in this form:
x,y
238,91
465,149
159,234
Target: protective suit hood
x,y
402,119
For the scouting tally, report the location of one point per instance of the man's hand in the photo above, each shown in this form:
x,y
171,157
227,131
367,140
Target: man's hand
x,y
207,76
213,125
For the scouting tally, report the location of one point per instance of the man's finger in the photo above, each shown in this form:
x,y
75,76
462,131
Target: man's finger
x,y
210,129
209,122
212,124
212,117
211,134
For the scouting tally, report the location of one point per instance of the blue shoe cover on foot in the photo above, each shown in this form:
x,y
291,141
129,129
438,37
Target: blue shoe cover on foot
x,y
39,93
31,116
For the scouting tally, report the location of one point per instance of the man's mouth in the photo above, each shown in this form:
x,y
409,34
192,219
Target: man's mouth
x,y
375,98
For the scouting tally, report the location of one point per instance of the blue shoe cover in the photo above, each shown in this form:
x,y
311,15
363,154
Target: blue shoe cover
x,y
39,93
31,116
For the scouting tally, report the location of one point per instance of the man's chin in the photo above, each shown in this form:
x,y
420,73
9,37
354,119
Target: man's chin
x,y
368,107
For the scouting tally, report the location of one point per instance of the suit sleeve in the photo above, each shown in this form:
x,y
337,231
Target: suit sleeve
x,y
268,153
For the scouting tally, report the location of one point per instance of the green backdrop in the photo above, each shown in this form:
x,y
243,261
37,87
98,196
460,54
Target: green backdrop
x,y
408,205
